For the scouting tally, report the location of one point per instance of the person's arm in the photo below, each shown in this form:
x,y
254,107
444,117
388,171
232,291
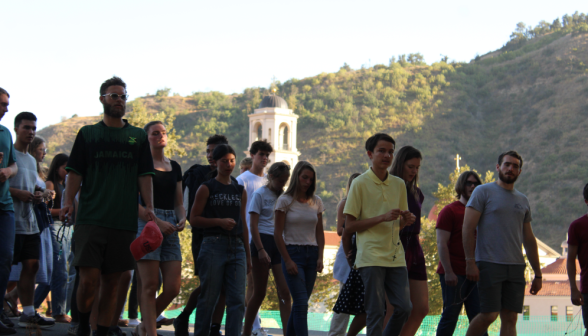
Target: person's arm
x,y
261,252
280,218
179,208
443,250
530,244
196,218
245,230
347,246
74,181
21,195
576,295
320,240
470,222
146,190
353,225
55,208
8,172
340,217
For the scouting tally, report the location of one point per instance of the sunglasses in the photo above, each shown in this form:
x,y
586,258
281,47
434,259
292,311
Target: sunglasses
x,y
115,96
469,184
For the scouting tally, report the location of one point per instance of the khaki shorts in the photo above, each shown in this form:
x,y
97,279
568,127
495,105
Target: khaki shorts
x,y
104,248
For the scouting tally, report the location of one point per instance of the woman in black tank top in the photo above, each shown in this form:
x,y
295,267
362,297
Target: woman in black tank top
x,y
224,259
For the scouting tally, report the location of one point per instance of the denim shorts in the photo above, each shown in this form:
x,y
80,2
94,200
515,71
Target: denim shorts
x,y
170,246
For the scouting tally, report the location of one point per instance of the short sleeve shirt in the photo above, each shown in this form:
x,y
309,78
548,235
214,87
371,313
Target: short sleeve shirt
x,y
500,229
451,219
251,182
370,197
263,202
578,236
301,219
7,148
110,160
25,179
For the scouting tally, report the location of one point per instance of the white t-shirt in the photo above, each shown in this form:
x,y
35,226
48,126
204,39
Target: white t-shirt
x,y
263,202
301,219
251,182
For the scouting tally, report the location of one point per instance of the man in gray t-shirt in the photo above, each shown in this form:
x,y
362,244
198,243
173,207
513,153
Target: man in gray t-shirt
x,y
502,216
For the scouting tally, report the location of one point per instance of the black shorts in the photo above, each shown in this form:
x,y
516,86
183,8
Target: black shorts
x,y
26,247
501,286
197,238
104,248
269,245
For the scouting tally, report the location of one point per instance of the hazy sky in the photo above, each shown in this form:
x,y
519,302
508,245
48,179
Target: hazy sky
x,y
55,54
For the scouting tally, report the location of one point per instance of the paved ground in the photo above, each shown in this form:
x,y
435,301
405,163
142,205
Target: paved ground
x,y
60,329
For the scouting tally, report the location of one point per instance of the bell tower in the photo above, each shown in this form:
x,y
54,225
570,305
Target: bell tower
x,y
275,122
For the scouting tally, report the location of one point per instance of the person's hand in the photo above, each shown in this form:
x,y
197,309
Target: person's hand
x,y
24,196
38,197
264,258
536,286
1,157
166,228
181,225
5,173
150,214
577,297
291,268
249,265
49,194
408,217
450,279
227,224
319,265
66,212
392,215
472,271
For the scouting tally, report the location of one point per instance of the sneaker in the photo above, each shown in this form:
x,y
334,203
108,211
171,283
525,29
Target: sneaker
x,y
134,322
116,331
181,326
34,321
259,332
4,319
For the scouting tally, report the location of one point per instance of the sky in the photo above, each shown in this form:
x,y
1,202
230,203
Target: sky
x,y
55,54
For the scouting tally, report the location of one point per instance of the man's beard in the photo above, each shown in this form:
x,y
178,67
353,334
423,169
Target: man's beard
x,y
507,179
108,110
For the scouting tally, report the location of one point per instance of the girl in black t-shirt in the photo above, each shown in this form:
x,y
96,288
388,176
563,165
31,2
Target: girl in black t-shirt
x,y
171,219
224,259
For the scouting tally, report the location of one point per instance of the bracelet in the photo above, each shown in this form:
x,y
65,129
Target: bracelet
x,y
538,277
473,258
260,249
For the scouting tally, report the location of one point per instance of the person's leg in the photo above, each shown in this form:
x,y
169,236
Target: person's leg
x,y
26,284
339,321
259,274
41,293
148,272
508,322
6,249
217,315
171,273
109,284
75,319
181,322
95,309
373,281
357,325
471,297
121,297
72,275
419,296
492,277
133,302
234,282
480,323
59,275
398,292
451,305
283,294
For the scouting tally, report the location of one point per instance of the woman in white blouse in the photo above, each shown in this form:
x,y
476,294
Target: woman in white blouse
x,y
300,239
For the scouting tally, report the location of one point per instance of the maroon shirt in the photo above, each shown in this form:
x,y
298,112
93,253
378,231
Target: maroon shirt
x,y
451,219
578,236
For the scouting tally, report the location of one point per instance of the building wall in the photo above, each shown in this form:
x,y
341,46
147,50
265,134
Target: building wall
x,y
541,305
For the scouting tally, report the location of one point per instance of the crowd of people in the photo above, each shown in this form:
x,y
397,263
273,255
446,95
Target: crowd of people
x,y
108,216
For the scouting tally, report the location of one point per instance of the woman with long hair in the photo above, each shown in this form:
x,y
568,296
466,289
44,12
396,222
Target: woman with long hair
x,y
406,165
224,259
300,239
56,181
264,252
171,219
351,293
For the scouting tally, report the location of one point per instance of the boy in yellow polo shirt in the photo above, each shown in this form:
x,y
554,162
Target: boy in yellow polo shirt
x,y
377,210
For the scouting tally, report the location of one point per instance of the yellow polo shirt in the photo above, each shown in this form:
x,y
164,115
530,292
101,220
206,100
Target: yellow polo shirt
x,y
369,197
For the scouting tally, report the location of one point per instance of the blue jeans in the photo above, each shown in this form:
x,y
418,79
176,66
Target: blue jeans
x,y
300,285
61,240
221,263
6,249
453,300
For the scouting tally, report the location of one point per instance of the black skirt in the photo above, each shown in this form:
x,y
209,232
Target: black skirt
x,y
350,300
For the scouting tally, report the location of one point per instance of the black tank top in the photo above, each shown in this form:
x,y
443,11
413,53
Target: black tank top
x,y
224,201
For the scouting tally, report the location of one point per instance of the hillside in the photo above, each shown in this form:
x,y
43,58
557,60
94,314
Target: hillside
x,y
531,95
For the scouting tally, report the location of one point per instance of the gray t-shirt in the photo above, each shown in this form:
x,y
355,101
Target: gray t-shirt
x,y
262,202
500,229
25,179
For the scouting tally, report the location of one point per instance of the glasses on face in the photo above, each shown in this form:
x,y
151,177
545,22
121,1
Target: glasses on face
x,y
470,183
115,96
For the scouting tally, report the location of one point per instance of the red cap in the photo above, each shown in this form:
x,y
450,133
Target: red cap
x,y
149,240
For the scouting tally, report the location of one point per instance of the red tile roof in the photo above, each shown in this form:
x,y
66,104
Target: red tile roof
x,y
552,288
332,238
559,267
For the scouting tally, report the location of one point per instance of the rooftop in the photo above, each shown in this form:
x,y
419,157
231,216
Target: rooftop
x,y
552,288
559,267
273,101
